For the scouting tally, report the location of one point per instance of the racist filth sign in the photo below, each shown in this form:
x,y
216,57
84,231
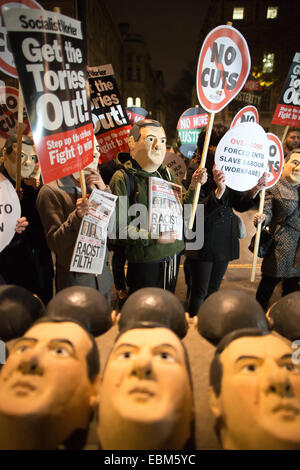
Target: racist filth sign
x,y
7,64
135,114
223,67
242,154
190,124
276,159
48,50
9,113
10,211
246,114
111,122
287,111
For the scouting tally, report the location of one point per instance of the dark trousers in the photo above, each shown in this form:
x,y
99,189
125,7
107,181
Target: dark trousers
x,y
268,284
206,279
152,274
118,264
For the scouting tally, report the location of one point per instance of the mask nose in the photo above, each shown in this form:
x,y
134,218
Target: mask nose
x,y
278,382
142,368
30,367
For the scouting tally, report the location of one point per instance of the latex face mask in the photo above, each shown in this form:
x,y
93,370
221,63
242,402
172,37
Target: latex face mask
x,y
259,403
149,151
28,161
146,393
94,164
291,169
292,141
45,380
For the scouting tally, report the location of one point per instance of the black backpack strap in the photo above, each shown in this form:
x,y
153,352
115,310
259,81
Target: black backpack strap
x,y
130,184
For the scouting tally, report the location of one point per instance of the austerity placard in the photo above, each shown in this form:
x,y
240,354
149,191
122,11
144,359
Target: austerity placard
x,y
111,123
276,159
7,63
135,114
287,111
48,51
243,155
10,211
223,67
9,113
246,114
190,124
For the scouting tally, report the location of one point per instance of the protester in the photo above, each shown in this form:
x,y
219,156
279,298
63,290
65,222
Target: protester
x,y
221,236
61,209
281,214
292,140
151,262
26,261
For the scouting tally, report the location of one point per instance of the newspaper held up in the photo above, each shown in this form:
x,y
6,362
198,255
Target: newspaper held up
x,y
89,252
165,207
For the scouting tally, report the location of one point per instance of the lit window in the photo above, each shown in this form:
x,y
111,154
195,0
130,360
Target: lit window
x,y
238,13
272,13
268,62
129,102
138,102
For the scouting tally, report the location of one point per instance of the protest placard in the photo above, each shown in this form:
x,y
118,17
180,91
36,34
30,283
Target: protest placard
x,y
190,124
243,155
48,50
165,207
287,111
10,211
9,113
111,123
246,114
7,64
223,67
136,114
176,164
90,247
276,159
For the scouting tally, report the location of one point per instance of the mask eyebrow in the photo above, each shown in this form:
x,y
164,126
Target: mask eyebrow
x,y
62,340
240,358
286,356
24,338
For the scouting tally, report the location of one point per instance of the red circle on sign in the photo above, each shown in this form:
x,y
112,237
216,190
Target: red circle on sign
x,y
246,109
12,91
4,66
275,172
240,42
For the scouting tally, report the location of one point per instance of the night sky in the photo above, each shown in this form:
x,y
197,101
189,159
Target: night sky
x,y
170,29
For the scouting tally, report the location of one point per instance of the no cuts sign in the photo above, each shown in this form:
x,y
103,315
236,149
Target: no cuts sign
x,y
7,63
246,114
223,67
276,159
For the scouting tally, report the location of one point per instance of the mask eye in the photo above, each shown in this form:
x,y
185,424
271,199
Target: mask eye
x,y
126,355
163,140
149,139
249,368
60,351
22,349
165,357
